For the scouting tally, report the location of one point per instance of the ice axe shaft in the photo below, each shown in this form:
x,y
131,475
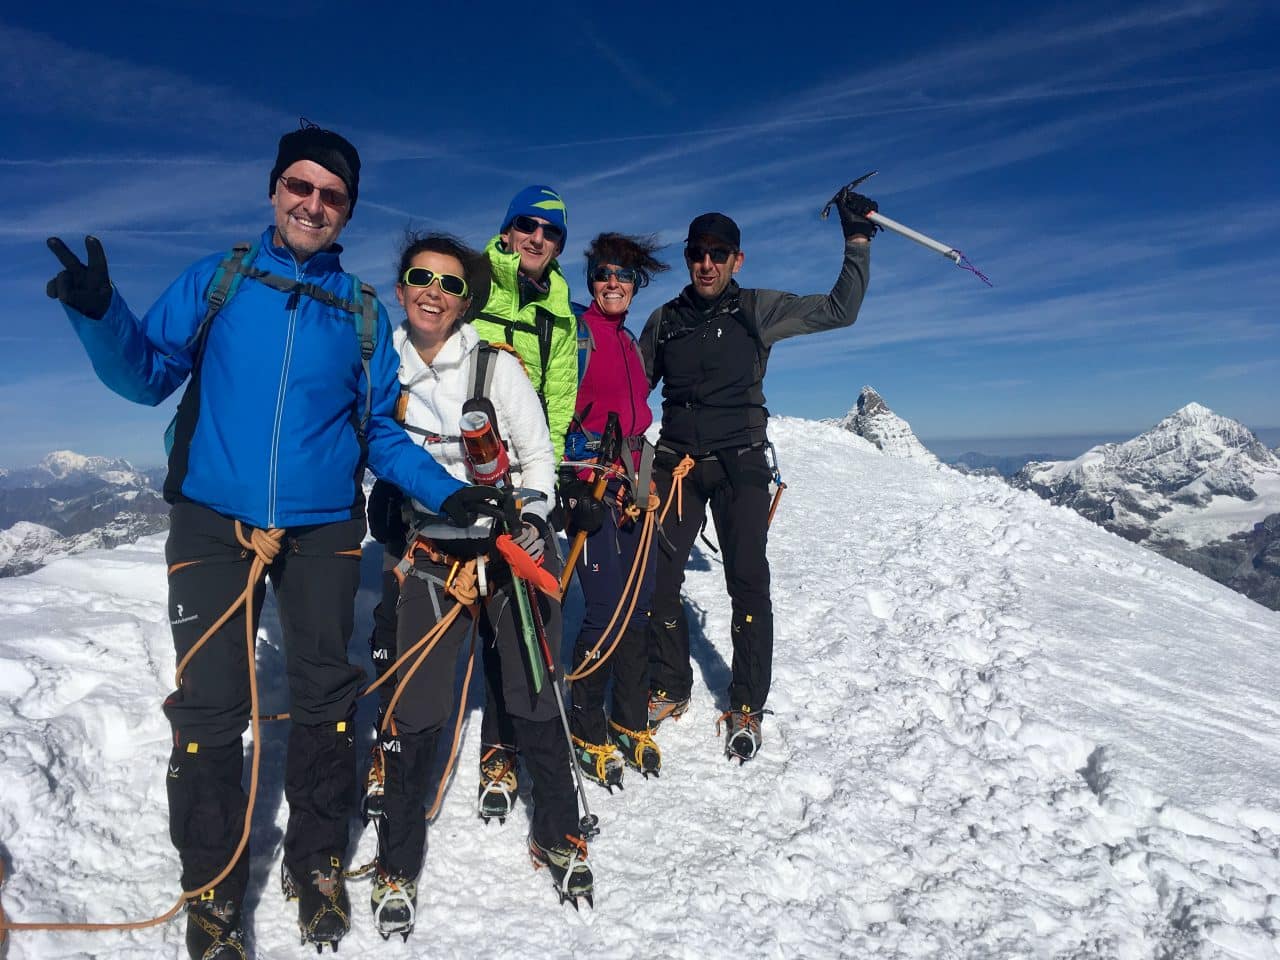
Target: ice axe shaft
x,y
880,220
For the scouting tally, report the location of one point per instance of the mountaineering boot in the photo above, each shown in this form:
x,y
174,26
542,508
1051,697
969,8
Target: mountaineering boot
x,y
213,929
639,749
395,905
600,763
742,733
324,910
498,783
662,706
570,871
371,805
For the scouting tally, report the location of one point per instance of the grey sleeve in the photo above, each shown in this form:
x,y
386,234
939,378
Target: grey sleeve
x,y
648,342
781,315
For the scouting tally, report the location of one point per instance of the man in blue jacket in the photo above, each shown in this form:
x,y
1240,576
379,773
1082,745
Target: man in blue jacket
x,y
286,402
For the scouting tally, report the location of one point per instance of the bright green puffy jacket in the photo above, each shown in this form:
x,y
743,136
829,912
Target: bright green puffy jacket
x,y
544,333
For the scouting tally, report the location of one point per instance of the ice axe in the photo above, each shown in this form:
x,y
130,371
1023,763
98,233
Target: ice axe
x,y
880,220
610,450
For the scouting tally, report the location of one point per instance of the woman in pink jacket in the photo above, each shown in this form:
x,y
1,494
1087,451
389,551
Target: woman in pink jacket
x,y
614,382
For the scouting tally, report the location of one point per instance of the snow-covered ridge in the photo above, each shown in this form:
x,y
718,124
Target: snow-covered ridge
x,y
871,419
999,731
1195,477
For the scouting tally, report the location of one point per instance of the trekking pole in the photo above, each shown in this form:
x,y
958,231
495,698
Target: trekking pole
x,y
610,450
526,577
880,220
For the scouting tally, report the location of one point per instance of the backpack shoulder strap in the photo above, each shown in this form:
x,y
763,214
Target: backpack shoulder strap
x,y
366,321
586,346
482,366
227,278
222,287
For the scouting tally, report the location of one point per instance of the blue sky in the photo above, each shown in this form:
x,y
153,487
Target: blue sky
x,y
1112,167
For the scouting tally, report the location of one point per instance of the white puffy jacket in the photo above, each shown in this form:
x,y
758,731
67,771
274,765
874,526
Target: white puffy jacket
x,y
437,392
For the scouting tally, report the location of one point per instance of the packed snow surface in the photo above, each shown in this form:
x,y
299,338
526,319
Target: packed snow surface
x,y
998,731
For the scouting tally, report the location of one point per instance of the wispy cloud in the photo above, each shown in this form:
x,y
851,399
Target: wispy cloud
x,y
637,78
1234,371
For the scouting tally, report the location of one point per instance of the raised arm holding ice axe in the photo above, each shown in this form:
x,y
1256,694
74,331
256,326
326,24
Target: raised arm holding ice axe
x,y
856,211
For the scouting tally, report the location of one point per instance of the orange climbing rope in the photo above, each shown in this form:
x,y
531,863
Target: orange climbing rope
x,y
265,545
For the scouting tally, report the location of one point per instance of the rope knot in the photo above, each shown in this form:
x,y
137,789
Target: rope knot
x,y
463,584
265,544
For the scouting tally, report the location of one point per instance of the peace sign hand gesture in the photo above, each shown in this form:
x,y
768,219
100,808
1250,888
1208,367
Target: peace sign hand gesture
x,y
85,288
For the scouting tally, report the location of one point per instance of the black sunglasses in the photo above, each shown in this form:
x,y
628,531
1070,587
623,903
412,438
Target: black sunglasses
x,y
422,277
695,254
527,224
602,274
328,196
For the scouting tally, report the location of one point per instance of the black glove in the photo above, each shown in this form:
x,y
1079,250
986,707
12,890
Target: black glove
x,y
853,209
582,513
465,504
386,519
84,288
532,537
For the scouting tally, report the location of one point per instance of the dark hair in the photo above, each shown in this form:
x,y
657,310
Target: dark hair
x,y
475,265
626,250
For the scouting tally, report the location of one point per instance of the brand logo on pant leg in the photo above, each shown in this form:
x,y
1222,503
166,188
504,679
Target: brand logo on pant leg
x,y
181,618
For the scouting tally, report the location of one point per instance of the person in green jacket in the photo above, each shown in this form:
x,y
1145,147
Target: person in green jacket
x,y
528,305
528,308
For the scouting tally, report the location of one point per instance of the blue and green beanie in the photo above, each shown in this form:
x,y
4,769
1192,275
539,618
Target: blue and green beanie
x,y
538,201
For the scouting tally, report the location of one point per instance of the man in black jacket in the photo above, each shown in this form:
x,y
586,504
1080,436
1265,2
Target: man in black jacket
x,y
710,347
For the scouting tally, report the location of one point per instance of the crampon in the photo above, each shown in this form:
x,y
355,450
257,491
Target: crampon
x,y
570,871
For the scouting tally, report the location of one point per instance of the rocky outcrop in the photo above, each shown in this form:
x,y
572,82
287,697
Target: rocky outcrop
x,y
871,419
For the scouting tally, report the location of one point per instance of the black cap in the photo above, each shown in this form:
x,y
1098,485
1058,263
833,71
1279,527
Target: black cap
x,y
332,151
715,225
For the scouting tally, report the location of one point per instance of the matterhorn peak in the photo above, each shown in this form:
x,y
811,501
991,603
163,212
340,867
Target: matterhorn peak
x,y
870,403
871,419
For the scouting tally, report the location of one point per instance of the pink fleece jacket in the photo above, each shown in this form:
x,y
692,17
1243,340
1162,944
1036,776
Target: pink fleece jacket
x,y
615,379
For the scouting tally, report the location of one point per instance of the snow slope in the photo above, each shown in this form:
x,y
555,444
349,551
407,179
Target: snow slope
x,y
999,731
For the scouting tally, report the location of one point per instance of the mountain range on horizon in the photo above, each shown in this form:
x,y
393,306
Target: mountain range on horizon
x,y
1198,487
69,503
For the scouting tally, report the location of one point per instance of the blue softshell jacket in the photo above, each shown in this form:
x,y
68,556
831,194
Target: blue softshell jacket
x,y
281,391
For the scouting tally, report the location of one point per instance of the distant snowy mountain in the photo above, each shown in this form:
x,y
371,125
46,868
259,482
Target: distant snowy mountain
x,y
1195,485
992,465
64,467
86,502
871,419
997,731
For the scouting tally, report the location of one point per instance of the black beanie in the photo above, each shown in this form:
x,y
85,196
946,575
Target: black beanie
x,y
333,152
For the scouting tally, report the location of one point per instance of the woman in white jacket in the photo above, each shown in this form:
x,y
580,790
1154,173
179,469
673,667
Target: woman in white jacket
x,y
438,361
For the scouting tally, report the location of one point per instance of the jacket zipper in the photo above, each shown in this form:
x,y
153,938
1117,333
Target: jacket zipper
x,y
273,480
